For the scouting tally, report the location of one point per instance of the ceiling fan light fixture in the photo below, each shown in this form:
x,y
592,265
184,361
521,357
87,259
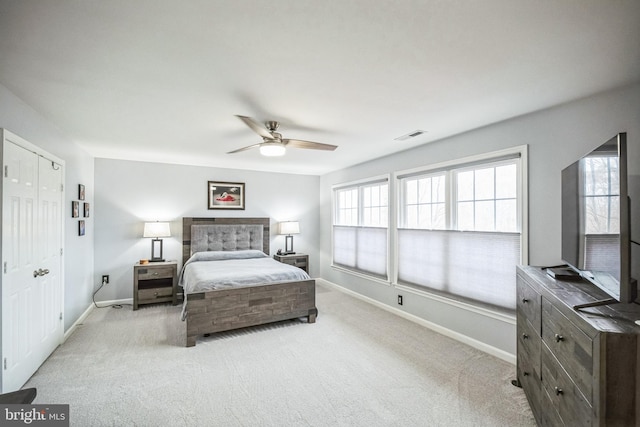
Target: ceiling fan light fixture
x,y
272,150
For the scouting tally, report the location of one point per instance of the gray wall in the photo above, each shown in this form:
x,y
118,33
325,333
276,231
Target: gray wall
x,y
22,120
129,193
556,137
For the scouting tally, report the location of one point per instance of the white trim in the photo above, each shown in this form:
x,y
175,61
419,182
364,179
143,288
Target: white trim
x,y
487,312
500,354
524,191
371,180
89,310
519,149
361,273
78,322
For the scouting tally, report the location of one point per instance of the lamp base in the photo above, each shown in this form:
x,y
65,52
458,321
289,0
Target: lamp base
x,y
288,253
157,260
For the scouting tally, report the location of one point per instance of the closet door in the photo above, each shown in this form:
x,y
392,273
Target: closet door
x,y
31,245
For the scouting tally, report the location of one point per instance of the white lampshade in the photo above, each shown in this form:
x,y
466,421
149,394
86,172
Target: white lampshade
x,y
156,229
290,227
272,149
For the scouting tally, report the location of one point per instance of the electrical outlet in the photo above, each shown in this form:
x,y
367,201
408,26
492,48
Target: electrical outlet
x,y
399,299
105,279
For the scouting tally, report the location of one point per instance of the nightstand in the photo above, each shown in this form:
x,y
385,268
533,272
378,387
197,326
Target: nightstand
x,y
297,260
155,282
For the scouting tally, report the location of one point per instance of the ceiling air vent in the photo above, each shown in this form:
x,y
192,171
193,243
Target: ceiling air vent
x,y
410,135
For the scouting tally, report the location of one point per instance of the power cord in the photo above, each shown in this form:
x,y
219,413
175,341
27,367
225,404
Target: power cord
x,y
93,297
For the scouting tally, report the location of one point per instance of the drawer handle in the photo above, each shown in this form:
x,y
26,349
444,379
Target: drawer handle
x,y
558,391
525,336
155,294
558,337
155,274
524,300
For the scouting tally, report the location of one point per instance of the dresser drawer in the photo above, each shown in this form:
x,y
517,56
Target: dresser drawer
x,y
529,343
155,273
297,262
572,347
145,295
564,395
528,303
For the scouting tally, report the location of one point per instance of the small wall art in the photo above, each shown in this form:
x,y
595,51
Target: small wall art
x,y
81,227
85,212
75,209
80,191
225,195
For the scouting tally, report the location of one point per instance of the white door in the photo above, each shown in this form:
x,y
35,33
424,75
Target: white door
x,y
31,245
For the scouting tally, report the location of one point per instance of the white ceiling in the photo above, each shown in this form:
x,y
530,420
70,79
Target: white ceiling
x,y
161,80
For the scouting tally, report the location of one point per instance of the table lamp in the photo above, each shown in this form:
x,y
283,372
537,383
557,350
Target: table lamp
x,y
288,228
156,230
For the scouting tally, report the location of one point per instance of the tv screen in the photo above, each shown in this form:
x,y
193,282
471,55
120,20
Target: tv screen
x,y
595,219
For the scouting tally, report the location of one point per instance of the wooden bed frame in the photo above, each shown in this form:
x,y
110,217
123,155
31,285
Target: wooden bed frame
x,y
226,309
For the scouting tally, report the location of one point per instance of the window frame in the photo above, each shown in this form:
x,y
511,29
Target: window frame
x,y
361,184
492,157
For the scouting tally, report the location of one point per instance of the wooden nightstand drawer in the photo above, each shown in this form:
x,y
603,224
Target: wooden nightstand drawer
x,y
155,273
145,295
297,260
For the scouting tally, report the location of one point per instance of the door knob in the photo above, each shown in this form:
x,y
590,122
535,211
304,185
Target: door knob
x,y
40,272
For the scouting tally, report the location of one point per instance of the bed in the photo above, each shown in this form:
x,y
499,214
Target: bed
x,y
213,303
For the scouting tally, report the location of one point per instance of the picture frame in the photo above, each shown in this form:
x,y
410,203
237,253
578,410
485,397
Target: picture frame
x,y
81,191
225,195
85,210
75,209
81,227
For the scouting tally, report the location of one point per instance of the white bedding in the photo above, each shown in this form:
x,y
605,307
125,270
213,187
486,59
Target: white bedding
x,y
206,271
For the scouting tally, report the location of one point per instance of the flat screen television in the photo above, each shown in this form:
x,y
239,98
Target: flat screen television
x,y
596,224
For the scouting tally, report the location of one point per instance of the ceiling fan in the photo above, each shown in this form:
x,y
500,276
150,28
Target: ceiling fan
x,y
272,142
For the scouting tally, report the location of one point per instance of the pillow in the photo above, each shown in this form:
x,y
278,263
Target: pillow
x,y
224,255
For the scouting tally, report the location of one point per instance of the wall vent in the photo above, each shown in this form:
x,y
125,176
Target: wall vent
x,y
410,135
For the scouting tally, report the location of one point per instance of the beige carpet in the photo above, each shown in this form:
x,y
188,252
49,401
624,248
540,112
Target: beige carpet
x,y
357,366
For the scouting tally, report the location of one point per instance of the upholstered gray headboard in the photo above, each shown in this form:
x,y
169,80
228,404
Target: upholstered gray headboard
x,y
225,237
224,234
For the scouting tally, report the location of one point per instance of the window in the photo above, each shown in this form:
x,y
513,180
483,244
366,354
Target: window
x,y
361,218
459,229
425,202
602,193
602,209
487,198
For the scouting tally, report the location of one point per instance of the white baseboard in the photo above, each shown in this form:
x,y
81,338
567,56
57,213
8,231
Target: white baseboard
x,y
500,354
78,322
87,312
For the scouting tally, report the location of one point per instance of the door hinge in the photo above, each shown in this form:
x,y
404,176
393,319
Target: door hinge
x,y
6,171
62,188
5,363
5,267
60,315
60,251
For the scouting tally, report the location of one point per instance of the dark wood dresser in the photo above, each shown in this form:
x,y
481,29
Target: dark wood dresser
x,y
577,367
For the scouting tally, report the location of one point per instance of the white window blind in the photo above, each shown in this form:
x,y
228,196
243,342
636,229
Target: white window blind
x,y
361,248
473,265
459,230
361,217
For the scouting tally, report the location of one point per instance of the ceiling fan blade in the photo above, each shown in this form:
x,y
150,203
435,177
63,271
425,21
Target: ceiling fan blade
x,y
299,143
244,148
256,127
